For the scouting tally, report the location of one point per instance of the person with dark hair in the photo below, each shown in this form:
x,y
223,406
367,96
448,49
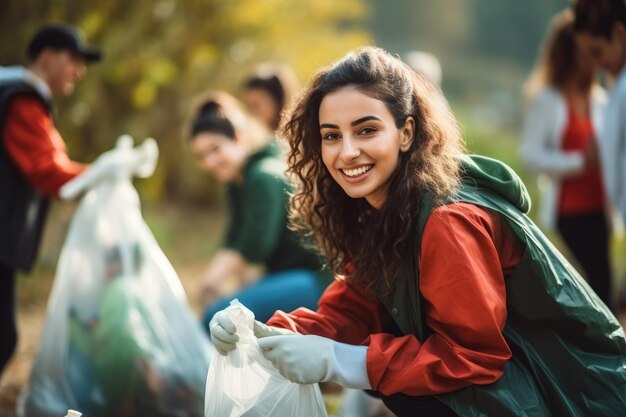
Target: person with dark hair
x,y
268,266
34,164
448,300
33,158
600,28
268,92
559,142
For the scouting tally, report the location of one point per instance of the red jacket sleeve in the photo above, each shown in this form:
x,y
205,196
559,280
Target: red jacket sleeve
x,y
466,253
36,147
346,314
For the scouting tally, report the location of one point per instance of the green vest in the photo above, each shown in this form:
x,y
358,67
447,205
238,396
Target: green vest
x,y
568,350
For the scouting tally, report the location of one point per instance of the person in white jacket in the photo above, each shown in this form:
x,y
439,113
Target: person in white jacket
x,y
559,143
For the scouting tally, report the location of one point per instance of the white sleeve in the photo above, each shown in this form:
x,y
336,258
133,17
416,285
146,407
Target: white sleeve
x,y
539,148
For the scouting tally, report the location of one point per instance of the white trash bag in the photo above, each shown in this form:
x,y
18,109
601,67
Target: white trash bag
x,y
244,383
120,338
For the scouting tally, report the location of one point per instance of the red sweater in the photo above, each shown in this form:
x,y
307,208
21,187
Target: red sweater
x,y
584,193
467,251
36,146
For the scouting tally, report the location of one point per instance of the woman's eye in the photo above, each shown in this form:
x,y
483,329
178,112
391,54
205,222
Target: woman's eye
x,y
367,131
330,136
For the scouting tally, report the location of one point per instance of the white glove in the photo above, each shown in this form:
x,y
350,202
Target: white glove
x,y
123,160
224,333
263,330
311,359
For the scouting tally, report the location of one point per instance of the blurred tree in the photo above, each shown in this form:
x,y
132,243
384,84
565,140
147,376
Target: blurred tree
x,y
160,54
512,29
486,47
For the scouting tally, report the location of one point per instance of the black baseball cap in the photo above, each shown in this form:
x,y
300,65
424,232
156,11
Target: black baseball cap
x,y
62,36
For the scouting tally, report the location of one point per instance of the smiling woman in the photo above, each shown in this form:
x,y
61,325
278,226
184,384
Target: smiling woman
x,y
259,256
448,300
363,136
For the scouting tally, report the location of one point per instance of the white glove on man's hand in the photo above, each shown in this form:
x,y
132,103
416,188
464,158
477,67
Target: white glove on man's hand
x,y
119,161
310,359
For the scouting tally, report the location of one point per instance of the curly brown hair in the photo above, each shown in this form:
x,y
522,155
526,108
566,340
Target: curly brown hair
x,y
362,244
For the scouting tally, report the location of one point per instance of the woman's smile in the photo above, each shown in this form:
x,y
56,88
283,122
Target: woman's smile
x,y
357,173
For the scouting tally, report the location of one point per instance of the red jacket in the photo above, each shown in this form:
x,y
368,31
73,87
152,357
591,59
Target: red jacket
x,y
467,251
36,146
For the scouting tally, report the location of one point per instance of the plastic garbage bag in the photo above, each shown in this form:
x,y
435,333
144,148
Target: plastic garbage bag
x,y
120,338
244,383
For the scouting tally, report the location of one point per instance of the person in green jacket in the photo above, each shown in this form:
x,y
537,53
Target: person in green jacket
x,y
448,301
265,262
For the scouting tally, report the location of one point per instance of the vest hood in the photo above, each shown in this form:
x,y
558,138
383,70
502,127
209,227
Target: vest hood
x,y
487,173
12,74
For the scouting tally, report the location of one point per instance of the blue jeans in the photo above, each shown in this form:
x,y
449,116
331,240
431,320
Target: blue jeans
x,y
284,290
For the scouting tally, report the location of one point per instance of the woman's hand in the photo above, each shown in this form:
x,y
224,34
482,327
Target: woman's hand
x,y
226,269
308,359
210,290
223,333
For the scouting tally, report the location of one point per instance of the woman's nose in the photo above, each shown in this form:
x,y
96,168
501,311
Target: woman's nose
x,y
349,149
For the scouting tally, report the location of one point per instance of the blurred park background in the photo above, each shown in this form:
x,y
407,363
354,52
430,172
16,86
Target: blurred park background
x,y
160,54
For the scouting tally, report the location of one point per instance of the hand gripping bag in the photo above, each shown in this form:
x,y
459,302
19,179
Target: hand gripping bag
x,y
245,384
120,338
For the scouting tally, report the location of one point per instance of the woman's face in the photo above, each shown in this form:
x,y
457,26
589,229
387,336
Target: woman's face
x,y
262,105
361,143
219,155
609,54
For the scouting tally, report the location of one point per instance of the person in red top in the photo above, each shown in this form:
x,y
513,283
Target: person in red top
x,y
560,143
447,300
34,163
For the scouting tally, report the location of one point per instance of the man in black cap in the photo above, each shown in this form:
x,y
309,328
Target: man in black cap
x,y
33,158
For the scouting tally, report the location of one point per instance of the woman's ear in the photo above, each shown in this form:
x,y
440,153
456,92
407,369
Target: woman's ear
x,y
407,132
